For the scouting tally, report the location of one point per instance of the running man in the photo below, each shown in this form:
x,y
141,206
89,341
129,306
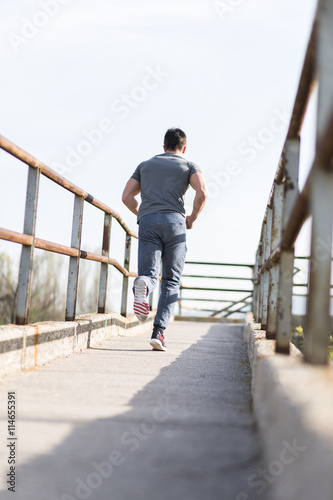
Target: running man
x,y
163,181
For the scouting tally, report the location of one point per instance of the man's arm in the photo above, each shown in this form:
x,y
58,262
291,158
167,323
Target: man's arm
x,y
132,189
197,182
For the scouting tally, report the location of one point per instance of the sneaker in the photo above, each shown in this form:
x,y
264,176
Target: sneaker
x,y
140,306
157,339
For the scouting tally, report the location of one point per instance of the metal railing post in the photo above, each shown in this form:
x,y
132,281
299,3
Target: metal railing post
x,y
275,267
266,254
180,300
255,286
258,310
321,200
127,259
103,281
285,293
160,281
27,254
73,272
151,301
318,321
262,287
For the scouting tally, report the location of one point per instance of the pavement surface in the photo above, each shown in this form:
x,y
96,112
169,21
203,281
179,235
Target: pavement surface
x,y
122,422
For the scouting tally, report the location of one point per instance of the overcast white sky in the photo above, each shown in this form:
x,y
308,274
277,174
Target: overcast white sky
x,y
135,69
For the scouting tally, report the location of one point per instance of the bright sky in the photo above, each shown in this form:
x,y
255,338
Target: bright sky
x,y
226,74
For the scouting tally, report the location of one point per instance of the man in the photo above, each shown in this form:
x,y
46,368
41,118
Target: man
x,y
162,182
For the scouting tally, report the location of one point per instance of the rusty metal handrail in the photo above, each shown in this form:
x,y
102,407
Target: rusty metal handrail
x,y
216,277
31,161
224,264
29,241
288,209
207,289
25,239
226,311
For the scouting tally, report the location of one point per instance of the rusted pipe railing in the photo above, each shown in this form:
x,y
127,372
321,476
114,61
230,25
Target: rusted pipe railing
x,y
29,241
231,302
288,209
30,160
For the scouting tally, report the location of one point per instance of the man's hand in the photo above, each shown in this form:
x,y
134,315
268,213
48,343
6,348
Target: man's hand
x,y
189,222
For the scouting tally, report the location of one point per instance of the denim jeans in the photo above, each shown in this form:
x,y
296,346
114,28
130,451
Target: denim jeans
x,y
162,236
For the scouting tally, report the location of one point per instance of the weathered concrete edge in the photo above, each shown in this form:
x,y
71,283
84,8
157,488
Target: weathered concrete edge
x,y
31,346
294,411
209,319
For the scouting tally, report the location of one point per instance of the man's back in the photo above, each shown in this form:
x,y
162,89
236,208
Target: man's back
x,y
164,180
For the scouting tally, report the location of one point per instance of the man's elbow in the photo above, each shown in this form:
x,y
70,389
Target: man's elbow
x,y
124,199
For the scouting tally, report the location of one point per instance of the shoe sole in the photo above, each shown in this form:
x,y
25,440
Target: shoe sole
x,y
140,306
157,345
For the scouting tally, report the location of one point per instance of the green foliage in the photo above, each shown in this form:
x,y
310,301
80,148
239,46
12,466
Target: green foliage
x,y
298,338
47,297
330,349
49,285
8,290
87,299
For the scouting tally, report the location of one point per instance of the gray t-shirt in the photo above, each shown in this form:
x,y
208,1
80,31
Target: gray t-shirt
x,y
164,181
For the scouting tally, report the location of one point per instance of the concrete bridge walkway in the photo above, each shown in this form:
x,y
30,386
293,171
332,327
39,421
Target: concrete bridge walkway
x,y
120,422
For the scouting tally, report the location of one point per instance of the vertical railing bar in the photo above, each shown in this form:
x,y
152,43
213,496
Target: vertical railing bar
x,y
262,287
180,300
258,310
317,328
318,323
74,262
285,293
127,258
103,281
274,268
255,287
151,301
160,280
258,285
266,254
27,253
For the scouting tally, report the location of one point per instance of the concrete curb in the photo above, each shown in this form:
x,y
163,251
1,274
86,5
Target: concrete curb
x,y
294,410
209,319
31,346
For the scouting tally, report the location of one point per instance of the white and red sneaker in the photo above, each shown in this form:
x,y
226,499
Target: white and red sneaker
x,y
157,339
140,306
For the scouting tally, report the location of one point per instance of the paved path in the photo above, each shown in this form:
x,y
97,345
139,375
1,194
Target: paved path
x,y
120,422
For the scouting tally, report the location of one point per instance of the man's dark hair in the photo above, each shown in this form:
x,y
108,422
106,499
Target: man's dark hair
x,y
175,139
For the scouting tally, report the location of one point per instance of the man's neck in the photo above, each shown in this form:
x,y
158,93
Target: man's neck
x,y
178,153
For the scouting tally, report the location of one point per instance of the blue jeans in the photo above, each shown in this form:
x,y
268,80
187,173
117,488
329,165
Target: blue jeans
x,y
162,236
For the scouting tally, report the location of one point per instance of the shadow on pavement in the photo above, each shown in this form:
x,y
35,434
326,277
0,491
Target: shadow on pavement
x,y
189,435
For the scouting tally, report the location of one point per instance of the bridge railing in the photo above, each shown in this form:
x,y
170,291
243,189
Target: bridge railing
x,y
29,241
288,208
236,301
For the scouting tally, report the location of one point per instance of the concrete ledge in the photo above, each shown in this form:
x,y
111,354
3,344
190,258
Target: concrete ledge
x,y
27,347
259,347
294,409
205,319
